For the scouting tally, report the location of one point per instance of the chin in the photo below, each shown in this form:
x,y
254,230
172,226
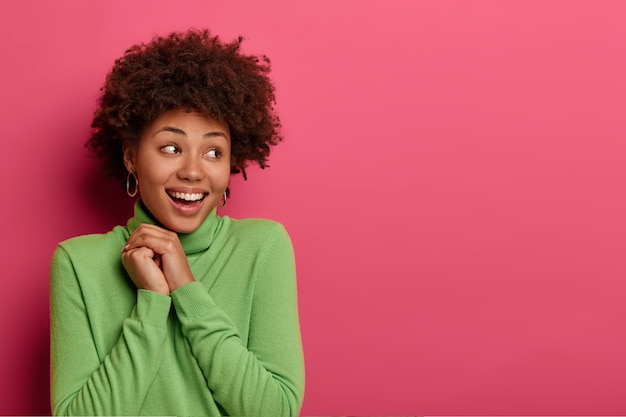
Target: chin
x,y
184,228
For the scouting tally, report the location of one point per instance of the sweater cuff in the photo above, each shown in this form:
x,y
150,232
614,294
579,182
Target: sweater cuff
x,y
152,308
191,301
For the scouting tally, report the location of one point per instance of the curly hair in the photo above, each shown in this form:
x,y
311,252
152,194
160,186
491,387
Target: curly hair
x,y
190,70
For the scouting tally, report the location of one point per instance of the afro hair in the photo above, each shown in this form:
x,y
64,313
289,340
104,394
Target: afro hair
x,y
190,70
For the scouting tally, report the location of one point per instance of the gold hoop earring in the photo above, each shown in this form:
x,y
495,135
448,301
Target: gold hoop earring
x,y
222,201
135,187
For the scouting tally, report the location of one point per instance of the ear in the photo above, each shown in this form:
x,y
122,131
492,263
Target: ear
x,y
129,157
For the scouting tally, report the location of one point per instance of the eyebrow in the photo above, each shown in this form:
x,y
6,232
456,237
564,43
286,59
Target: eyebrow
x,y
183,133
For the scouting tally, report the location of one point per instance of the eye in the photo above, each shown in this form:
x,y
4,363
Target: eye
x,y
172,149
214,153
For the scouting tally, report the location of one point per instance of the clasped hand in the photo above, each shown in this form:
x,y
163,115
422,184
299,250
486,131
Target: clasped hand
x,y
155,260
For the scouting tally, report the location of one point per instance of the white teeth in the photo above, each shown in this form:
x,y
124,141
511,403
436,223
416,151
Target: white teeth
x,y
187,196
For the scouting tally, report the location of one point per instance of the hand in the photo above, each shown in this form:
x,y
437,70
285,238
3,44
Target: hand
x,y
155,260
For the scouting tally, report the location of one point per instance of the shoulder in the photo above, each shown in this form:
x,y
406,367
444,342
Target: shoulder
x,y
266,245
257,235
93,246
254,229
90,265
96,241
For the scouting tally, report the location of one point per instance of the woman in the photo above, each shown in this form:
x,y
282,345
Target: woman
x,y
180,312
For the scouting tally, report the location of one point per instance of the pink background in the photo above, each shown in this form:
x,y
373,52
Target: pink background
x,y
453,179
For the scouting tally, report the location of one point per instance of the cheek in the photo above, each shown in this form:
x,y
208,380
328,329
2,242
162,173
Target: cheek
x,y
152,171
222,178
225,180
145,175
150,181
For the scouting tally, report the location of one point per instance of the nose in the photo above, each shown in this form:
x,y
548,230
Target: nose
x,y
190,169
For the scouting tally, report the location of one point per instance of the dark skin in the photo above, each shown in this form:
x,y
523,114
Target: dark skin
x,y
182,165
155,260
194,71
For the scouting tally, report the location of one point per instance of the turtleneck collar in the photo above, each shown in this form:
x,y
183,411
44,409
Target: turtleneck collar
x,y
194,242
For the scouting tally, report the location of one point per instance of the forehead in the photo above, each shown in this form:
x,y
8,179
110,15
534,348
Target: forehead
x,y
188,122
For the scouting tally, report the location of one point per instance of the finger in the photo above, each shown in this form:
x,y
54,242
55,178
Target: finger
x,y
169,253
159,240
138,255
143,269
149,230
158,244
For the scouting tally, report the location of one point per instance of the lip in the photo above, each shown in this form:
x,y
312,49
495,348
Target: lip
x,y
187,209
186,190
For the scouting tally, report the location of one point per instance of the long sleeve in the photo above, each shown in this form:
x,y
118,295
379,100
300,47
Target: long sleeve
x,y
84,380
266,375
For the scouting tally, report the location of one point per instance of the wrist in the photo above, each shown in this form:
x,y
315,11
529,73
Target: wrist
x,y
181,282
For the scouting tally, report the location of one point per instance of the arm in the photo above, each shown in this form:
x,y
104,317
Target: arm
x,y
267,376
81,383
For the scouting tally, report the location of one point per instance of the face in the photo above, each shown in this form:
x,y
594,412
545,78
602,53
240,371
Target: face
x,y
182,165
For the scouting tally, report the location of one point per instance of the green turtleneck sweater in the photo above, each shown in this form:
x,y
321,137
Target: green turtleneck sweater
x,y
227,344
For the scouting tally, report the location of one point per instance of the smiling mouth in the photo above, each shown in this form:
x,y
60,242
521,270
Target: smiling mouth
x,y
186,198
